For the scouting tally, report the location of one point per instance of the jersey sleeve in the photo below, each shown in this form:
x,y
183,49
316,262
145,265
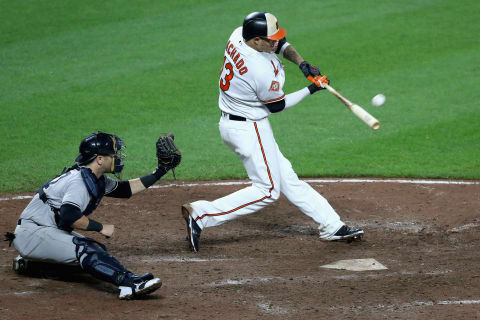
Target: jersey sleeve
x,y
268,89
76,194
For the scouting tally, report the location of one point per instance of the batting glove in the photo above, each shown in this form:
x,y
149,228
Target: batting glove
x,y
310,70
313,88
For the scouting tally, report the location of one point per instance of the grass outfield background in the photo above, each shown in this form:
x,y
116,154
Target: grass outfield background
x,y
140,68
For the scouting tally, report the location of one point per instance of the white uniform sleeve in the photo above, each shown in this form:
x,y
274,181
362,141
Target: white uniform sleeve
x,y
292,99
268,89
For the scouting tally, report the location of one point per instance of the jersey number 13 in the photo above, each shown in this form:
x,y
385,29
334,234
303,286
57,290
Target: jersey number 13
x,y
225,80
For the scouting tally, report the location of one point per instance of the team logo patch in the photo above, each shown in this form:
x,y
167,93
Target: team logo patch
x,y
275,86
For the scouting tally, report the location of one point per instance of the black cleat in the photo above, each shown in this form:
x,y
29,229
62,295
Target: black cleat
x,y
20,265
347,233
141,277
193,230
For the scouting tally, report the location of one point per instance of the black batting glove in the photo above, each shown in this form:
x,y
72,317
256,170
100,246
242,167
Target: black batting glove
x,y
313,88
309,70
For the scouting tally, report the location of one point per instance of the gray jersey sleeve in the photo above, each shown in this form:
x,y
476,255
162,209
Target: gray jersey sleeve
x,y
67,188
76,194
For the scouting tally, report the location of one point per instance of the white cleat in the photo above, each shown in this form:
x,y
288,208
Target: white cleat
x,y
139,289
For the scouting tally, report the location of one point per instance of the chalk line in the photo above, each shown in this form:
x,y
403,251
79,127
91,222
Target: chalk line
x,y
245,182
405,306
332,180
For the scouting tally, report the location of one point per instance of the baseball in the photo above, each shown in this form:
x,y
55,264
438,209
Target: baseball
x,y
378,100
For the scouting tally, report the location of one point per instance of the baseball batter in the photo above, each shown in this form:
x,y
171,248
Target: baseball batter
x,y
45,230
251,89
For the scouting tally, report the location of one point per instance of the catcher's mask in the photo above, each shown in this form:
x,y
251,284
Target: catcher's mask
x,y
104,144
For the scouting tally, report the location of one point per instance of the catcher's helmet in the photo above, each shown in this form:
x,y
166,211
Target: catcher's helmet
x,y
262,24
102,143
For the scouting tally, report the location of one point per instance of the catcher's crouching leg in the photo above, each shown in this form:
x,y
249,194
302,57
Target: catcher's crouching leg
x,y
94,259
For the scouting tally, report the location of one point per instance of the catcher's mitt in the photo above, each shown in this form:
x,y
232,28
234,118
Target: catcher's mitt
x,y
168,154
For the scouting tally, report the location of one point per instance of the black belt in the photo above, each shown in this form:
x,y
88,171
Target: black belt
x,y
234,117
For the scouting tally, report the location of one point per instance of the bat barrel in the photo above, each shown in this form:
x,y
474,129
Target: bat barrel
x,y
358,111
366,117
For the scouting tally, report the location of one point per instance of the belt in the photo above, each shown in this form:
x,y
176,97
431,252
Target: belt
x,y
234,117
19,222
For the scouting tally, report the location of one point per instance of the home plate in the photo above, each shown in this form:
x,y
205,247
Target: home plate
x,y
356,265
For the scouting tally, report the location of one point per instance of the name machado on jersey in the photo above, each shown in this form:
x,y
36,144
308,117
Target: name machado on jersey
x,y
249,79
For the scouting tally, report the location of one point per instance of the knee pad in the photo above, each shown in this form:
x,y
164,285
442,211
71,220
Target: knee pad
x,y
94,259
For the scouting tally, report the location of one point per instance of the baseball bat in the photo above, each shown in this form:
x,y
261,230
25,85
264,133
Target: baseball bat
x,y
363,115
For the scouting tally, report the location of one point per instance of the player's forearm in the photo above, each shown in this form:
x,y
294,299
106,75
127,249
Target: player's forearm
x,y
136,185
289,101
294,98
81,224
127,188
292,55
145,182
87,224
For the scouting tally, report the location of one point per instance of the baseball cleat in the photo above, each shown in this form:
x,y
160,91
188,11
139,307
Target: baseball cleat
x,y
347,233
19,264
139,289
193,230
141,277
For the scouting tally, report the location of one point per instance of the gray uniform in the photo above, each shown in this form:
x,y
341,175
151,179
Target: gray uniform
x,y
37,236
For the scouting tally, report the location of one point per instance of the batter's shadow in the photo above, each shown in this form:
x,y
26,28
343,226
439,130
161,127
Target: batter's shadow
x,y
253,233
280,228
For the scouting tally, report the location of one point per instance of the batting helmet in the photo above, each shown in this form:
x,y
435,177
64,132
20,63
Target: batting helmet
x,y
262,24
102,143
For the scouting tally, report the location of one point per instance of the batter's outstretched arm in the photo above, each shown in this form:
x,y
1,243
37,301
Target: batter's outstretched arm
x,y
292,99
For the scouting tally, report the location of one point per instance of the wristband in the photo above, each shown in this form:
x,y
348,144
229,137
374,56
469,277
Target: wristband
x,y
150,179
94,225
313,88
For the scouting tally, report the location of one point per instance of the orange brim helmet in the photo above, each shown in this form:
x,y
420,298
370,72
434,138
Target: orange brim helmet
x,y
273,31
263,25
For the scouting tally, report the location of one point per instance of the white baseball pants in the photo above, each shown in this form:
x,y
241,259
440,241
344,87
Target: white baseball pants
x,y
271,174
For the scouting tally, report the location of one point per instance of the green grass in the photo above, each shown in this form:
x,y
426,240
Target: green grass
x,y
141,68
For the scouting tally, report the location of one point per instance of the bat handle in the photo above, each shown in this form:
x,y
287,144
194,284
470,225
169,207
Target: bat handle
x,y
319,83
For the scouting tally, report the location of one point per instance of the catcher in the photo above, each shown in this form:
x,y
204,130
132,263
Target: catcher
x,y
46,229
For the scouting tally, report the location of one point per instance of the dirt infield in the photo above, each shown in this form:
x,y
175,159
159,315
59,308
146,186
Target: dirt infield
x,y
269,265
